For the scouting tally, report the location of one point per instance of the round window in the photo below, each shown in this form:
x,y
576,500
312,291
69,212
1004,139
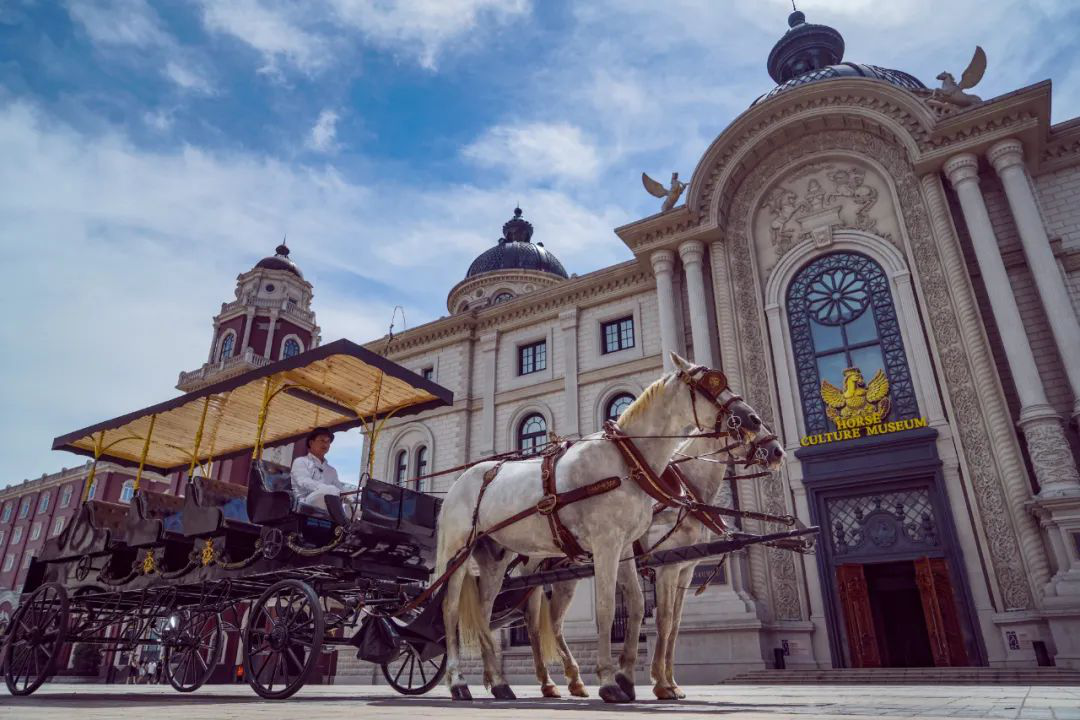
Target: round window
x,y
269,287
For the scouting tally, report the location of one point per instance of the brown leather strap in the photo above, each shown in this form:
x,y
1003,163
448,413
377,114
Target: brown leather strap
x,y
710,520
564,539
660,490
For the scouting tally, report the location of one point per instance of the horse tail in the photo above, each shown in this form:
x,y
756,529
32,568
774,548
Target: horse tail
x,y
549,647
471,622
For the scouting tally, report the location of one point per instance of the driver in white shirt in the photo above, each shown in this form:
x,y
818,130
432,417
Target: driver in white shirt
x,y
312,477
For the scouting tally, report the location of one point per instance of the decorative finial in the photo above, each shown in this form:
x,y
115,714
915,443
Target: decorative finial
x,y
517,229
282,249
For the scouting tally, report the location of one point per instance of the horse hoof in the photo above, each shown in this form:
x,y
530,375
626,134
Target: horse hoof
x,y
577,689
503,692
550,691
612,694
460,692
664,693
679,692
626,685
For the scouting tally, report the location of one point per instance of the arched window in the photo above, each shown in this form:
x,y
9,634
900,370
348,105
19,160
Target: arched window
x,y
43,502
58,526
401,467
65,495
502,297
93,489
841,314
35,531
290,349
617,405
532,433
127,491
227,346
421,465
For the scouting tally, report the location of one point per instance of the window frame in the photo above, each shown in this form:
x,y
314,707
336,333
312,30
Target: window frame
x,y
128,489
420,463
221,356
65,495
428,373
9,562
401,468
58,526
35,531
531,348
7,512
43,501
521,435
611,403
16,535
617,324
24,507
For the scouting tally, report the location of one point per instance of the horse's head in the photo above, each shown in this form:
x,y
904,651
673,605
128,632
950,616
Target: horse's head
x,y
724,411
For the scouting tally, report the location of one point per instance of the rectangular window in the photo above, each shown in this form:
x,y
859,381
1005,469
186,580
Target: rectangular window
x,y
26,560
35,531
532,358
2,534
428,373
43,503
24,509
16,535
617,335
65,495
9,561
58,526
7,513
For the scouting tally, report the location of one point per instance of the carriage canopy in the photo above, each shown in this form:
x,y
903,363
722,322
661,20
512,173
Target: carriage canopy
x,y
339,385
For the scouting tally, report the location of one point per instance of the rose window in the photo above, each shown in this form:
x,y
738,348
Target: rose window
x,y
837,297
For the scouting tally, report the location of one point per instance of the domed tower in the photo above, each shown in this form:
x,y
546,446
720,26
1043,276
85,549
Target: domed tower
x,y
270,319
809,53
515,266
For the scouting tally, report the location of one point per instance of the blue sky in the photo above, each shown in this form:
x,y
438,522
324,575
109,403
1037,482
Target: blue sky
x,y
152,151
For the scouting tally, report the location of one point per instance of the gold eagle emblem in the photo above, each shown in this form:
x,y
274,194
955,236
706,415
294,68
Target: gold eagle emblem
x,y
857,402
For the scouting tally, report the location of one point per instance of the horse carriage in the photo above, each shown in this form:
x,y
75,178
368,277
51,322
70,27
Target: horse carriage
x,y
296,580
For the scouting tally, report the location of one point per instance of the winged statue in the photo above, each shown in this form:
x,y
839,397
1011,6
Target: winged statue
x,y
671,195
953,92
857,400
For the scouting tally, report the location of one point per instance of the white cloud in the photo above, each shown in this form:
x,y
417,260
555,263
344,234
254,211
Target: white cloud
x,y
324,132
119,22
187,78
272,29
537,151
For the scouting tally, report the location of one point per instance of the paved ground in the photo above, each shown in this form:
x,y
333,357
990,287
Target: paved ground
x,y
738,702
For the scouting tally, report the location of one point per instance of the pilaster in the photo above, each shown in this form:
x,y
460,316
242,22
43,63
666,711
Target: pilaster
x,y
488,352
663,263
568,321
692,253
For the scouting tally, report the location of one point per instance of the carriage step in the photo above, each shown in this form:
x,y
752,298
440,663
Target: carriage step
x,y
911,676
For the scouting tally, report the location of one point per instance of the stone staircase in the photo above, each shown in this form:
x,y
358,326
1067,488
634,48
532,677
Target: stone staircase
x,y
911,676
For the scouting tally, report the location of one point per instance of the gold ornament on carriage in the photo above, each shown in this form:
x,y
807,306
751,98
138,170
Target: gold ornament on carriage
x,y
148,563
208,553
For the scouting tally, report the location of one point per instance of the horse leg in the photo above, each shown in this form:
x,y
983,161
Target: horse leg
x,y
635,610
492,570
533,619
667,578
562,594
686,576
606,563
459,690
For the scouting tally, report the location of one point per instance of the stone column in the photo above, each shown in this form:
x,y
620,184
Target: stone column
x,y
692,253
249,320
1007,158
1041,425
663,263
488,345
270,334
568,320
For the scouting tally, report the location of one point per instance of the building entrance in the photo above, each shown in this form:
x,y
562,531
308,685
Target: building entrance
x,y
901,614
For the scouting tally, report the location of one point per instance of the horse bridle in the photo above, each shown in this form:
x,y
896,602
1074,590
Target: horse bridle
x,y
710,385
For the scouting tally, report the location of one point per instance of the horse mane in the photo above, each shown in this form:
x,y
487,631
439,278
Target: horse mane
x,y
643,401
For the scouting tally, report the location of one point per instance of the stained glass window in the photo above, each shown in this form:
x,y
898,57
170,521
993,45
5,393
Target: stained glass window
x,y
841,314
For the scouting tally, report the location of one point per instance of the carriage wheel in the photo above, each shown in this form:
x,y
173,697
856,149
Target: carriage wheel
x,y
410,675
282,639
34,639
192,650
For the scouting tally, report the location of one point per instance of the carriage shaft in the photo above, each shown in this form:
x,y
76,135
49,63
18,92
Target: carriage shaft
x,y
655,559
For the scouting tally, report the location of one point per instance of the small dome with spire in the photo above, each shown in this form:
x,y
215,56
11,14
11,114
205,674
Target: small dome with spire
x,y
516,251
810,53
280,261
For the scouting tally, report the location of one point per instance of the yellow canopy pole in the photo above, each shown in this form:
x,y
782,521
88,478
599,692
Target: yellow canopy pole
x,y
257,450
373,432
198,437
145,451
93,468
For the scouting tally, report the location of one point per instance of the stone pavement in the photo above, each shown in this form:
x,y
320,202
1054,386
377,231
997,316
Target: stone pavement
x,y
361,702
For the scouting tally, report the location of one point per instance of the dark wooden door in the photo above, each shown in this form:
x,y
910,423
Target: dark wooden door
x,y
858,616
939,609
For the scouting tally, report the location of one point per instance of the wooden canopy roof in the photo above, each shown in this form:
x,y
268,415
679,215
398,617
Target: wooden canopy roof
x,y
338,386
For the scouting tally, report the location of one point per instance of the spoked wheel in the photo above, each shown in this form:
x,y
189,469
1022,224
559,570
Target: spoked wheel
x,y
410,675
191,649
35,638
282,639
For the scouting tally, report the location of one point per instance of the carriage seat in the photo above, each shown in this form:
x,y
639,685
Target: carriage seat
x,y
215,505
167,508
399,508
271,497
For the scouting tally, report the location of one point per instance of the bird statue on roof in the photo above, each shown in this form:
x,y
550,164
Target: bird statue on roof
x,y
953,92
671,195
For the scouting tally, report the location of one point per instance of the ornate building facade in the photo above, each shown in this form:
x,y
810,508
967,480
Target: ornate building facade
x,y
891,276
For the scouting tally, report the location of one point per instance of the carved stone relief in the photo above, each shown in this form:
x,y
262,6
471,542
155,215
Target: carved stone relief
x,y
990,494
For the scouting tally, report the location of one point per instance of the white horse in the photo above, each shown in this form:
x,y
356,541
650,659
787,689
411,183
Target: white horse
x,y
690,398
705,474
